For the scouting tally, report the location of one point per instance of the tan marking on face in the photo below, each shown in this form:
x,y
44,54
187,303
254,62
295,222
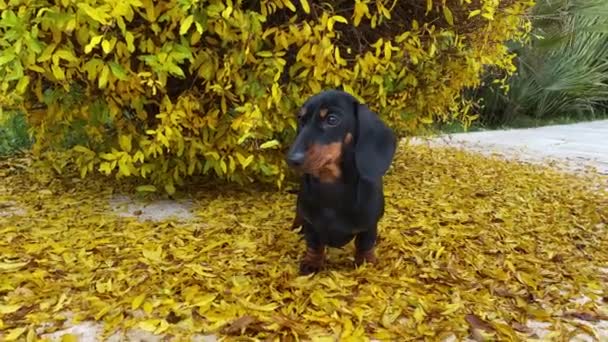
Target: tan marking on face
x,y
348,138
323,113
323,161
302,112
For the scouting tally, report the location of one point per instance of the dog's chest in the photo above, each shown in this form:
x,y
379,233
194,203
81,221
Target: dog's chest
x,y
331,207
335,196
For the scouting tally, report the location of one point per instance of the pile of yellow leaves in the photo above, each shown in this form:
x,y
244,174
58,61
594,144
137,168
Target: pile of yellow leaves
x,y
469,246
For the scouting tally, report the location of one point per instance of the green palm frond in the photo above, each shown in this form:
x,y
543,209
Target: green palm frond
x,y
564,71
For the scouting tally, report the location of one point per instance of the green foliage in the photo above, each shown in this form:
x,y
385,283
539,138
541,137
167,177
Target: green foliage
x,y
164,90
563,73
13,133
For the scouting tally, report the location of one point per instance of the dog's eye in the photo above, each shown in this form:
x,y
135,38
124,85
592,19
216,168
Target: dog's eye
x,y
332,120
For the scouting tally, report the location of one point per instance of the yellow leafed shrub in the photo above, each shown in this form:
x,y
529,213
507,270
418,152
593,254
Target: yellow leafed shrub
x,y
163,90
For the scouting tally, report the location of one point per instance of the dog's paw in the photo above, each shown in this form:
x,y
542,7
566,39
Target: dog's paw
x,y
312,262
309,268
368,256
297,222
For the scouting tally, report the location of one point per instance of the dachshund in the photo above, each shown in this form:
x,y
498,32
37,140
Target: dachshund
x,y
341,152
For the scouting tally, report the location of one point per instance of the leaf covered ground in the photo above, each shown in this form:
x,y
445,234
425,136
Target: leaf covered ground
x,y
470,247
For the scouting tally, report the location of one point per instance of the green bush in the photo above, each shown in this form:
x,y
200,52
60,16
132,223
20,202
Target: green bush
x,y
13,133
163,90
562,74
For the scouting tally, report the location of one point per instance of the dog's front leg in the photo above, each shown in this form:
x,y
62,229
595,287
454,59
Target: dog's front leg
x,y
365,243
297,221
314,258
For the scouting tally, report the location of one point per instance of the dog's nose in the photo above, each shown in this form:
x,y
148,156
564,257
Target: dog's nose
x,y
295,159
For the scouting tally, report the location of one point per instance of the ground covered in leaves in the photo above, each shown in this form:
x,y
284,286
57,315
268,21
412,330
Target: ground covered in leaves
x,y
470,246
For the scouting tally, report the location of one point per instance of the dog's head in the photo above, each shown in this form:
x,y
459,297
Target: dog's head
x,y
333,122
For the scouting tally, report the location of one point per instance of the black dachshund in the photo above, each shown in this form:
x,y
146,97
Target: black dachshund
x,y
342,150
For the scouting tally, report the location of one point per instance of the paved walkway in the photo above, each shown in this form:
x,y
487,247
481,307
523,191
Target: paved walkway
x,y
578,145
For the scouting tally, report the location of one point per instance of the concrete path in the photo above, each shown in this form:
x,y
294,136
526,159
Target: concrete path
x,y
576,145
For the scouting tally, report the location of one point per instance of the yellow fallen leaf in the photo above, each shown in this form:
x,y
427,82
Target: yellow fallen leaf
x,y
31,335
137,301
106,308
205,301
154,255
451,308
163,326
7,309
249,305
347,329
149,325
323,339
390,315
6,266
384,335
148,307
14,334
419,314
60,302
69,338
198,269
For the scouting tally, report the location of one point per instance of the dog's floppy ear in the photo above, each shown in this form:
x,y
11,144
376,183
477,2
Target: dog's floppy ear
x,y
375,144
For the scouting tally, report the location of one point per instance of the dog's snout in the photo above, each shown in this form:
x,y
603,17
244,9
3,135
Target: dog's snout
x,y
295,159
